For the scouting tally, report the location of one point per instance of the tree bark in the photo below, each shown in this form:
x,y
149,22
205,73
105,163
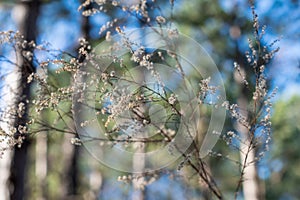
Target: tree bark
x,y
4,171
138,166
250,180
73,169
26,14
41,163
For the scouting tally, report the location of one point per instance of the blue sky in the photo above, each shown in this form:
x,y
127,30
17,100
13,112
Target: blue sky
x,y
282,18
62,32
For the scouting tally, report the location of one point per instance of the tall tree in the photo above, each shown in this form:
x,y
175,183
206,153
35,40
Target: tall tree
x,y
27,14
73,170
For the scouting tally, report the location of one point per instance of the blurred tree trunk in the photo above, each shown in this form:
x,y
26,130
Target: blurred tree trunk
x,y
26,14
250,180
73,172
139,158
4,171
139,192
41,165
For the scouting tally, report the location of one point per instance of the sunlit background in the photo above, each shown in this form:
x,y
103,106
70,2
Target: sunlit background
x,y
222,27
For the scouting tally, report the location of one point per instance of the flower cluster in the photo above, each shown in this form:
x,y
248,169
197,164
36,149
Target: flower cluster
x,y
133,113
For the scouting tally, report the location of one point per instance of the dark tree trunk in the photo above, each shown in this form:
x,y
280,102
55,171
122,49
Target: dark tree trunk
x,y
73,171
28,27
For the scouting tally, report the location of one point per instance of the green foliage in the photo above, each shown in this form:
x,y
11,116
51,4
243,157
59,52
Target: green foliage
x,y
285,157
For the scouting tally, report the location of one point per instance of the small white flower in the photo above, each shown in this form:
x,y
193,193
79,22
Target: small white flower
x,y
160,20
172,99
114,3
108,36
112,73
76,141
